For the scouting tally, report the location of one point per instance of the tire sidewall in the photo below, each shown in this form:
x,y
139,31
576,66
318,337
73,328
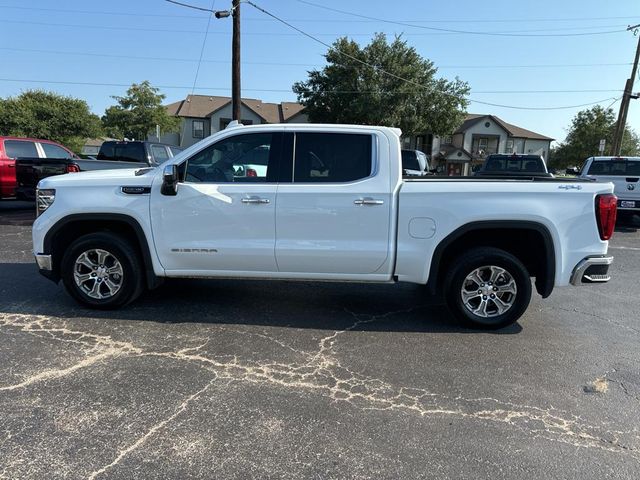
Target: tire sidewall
x,y
496,258
116,247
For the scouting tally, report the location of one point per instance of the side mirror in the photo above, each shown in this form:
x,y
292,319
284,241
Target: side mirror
x,y
572,171
169,180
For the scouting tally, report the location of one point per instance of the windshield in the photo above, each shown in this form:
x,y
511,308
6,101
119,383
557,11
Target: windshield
x,y
622,167
123,152
514,164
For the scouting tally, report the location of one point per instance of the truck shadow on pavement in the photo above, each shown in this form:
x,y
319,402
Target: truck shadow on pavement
x,y
627,223
307,305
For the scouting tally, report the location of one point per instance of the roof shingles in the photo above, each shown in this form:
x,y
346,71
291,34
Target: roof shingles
x,y
203,106
512,130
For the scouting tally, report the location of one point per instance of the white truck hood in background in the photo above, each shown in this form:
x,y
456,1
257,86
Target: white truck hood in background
x,y
102,178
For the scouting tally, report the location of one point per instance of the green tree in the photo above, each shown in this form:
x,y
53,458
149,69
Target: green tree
x,y
348,91
587,128
48,115
138,113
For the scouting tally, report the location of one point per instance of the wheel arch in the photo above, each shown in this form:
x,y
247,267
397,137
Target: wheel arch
x,y
526,240
72,227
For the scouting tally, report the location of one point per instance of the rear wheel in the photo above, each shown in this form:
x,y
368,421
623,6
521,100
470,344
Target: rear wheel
x,y
488,288
102,270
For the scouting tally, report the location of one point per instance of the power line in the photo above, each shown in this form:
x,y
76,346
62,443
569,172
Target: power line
x,y
193,60
279,34
302,32
192,6
316,20
204,43
281,90
449,30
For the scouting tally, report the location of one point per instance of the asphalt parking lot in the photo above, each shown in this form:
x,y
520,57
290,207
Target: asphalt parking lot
x,y
242,379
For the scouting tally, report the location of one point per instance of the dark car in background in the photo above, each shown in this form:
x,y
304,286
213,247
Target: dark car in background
x,y
112,155
513,165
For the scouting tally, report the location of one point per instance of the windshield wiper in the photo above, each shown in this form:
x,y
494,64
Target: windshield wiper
x,y
142,171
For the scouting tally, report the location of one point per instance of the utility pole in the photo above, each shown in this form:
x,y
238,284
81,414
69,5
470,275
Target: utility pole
x,y
626,98
235,61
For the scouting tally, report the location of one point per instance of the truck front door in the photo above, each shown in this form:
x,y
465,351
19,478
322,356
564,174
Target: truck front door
x,y
221,220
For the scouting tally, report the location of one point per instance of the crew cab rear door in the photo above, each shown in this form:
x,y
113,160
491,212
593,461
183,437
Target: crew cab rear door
x,y
220,221
334,218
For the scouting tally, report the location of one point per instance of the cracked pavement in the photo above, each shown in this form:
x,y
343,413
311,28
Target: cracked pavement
x,y
243,379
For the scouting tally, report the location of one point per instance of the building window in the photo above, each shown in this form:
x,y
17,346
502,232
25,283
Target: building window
x,y
509,146
447,140
198,129
483,143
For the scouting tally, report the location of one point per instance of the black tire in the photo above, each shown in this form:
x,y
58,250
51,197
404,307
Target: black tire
x,y
131,280
478,258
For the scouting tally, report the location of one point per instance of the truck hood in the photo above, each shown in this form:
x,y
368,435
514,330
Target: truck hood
x,y
101,178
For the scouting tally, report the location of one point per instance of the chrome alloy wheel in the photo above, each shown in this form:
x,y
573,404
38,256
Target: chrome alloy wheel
x,y
489,291
98,274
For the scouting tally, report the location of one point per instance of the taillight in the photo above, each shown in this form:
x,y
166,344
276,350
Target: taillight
x,y
72,168
606,210
251,172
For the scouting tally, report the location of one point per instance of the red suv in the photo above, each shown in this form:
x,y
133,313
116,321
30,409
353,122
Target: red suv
x,y
15,147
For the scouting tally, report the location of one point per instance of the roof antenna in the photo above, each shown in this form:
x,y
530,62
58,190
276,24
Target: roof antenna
x,y
233,124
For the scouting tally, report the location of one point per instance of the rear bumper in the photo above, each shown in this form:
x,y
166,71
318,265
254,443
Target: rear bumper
x,y
629,205
592,270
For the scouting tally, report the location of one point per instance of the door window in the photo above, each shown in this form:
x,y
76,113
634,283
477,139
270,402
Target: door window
x,y
332,157
159,153
20,149
242,158
55,151
410,160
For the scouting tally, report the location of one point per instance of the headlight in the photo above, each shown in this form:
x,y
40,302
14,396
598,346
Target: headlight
x,y
44,199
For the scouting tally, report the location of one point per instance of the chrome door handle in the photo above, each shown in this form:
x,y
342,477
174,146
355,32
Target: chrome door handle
x,y
255,200
368,201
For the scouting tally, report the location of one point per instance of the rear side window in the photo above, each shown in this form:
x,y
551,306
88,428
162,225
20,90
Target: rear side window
x,y
20,148
332,157
410,160
159,153
54,151
514,164
122,152
614,167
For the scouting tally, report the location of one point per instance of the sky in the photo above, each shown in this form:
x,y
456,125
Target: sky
x,y
95,49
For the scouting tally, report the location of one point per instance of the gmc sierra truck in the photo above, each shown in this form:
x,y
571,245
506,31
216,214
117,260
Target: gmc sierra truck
x,y
331,204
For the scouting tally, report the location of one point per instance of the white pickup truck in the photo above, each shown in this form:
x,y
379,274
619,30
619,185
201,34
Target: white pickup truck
x,y
623,172
331,205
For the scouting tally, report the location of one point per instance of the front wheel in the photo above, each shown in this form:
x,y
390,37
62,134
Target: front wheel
x,y
488,288
102,270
